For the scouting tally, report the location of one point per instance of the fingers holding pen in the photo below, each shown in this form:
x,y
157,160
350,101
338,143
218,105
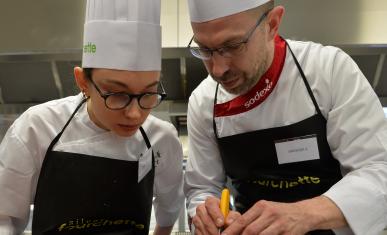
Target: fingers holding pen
x,y
207,217
213,208
214,214
267,217
242,224
231,218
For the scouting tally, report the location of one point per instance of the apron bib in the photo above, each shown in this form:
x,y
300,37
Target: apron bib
x,y
83,194
262,167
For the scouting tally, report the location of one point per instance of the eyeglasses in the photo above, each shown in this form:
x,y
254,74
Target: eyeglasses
x,y
225,51
120,100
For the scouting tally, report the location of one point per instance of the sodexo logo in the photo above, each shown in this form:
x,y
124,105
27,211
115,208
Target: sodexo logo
x,y
259,94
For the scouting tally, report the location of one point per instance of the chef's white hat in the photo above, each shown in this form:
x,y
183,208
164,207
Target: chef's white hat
x,y
206,10
122,34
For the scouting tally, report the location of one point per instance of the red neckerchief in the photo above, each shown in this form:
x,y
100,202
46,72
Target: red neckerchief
x,y
261,90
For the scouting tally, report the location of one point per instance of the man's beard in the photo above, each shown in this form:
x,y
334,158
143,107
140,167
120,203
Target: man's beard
x,y
248,81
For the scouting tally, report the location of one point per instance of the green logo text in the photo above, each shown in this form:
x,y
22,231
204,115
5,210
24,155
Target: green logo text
x,y
89,48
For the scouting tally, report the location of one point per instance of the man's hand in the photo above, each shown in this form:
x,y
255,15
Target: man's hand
x,y
209,218
267,217
297,218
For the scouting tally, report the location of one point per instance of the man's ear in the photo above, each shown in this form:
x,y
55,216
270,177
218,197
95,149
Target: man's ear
x,y
81,80
274,20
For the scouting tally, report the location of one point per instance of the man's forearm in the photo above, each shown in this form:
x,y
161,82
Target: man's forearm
x,y
322,213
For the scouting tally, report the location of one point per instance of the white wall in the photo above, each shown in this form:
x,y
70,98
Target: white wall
x,y
336,21
35,25
325,21
27,25
176,28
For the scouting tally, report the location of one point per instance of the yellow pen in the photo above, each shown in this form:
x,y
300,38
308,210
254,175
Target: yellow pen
x,y
225,203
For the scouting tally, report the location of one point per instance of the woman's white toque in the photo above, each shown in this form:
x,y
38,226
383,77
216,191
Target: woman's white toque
x,y
122,34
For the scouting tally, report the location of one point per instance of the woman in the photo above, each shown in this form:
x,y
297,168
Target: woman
x,y
93,163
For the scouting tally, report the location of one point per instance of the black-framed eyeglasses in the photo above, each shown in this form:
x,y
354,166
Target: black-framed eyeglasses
x,y
225,51
120,100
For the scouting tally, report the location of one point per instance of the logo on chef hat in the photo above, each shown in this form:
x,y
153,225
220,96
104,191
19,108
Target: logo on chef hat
x,y
89,48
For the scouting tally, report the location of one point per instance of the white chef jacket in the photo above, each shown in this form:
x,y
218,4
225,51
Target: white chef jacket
x,y
24,146
356,132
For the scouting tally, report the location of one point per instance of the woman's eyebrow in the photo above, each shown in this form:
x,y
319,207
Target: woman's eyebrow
x,y
153,84
107,81
121,84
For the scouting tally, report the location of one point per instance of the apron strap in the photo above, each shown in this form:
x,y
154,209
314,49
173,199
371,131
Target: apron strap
x,y
55,140
145,137
305,81
213,115
303,78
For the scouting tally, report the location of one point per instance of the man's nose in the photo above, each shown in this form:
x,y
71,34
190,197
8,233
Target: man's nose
x,y
219,64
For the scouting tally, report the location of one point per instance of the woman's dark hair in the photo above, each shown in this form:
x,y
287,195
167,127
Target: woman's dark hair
x,y
88,72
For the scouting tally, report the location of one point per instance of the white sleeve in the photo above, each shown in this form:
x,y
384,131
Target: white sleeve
x,y
17,174
357,135
204,175
11,226
169,197
6,226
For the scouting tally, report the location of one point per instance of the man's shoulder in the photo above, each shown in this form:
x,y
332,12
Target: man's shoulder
x,y
206,84
311,49
204,91
323,58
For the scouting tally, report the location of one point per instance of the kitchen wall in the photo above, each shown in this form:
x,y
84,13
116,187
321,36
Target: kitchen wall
x,y
57,24
328,21
336,21
48,25
55,27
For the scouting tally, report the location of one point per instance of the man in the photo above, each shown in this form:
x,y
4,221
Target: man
x,y
294,125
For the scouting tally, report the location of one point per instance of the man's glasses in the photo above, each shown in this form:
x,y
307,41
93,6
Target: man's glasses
x,y
225,51
120,100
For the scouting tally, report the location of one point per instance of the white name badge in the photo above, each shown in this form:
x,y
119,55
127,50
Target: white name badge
x,y
144,164
297,149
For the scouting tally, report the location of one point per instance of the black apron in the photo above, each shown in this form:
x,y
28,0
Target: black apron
x,y
250,161
83,194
